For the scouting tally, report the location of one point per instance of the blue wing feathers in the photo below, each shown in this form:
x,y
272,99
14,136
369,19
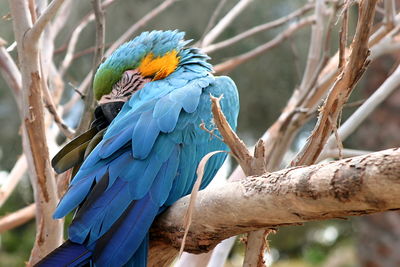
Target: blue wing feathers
x,y
115,142
76,194
144,135
162,185
120,167
140,186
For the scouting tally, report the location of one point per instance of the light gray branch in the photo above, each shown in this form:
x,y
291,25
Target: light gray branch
x,y
350,187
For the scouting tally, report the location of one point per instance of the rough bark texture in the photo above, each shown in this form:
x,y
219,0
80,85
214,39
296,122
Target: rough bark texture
x,y
48,231
354,186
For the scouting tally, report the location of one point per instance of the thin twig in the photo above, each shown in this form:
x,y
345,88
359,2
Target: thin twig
x,y
390,13
238,60
13,179
343,36
62,16
50,106
344,153
315,49
10,73
260,28
17,218
73,40
212,20
32,10
98,55
193,195
69,55
251,165
100,33
225,22
80,93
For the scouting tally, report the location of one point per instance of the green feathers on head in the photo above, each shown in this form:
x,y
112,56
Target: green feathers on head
x,y
104,80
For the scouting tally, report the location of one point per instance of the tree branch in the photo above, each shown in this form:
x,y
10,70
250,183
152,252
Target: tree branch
x,y
90,102
350,187
225,21
341,90
49,232
354,121
37,28
212,20
13,179
316,45
238,60
17,218
10,73
260,28
390,13
51,107
74,37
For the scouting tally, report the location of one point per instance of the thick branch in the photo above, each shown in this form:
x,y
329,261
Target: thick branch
x,y
350,187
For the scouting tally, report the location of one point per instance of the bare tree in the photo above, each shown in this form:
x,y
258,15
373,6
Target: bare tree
x,y
362,184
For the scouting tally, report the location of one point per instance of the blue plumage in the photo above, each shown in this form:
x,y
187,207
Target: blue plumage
x,y
149,154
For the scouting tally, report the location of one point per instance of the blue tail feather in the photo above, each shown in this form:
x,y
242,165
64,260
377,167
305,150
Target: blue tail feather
x,y
122,238
68,254
139,259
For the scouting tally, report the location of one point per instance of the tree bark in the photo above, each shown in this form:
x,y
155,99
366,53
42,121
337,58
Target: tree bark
x,y
27,34
350,187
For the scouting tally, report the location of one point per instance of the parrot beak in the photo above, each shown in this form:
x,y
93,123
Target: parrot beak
x,y
111,109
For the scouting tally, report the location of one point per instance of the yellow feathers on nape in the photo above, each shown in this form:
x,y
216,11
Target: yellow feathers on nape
x,y
159,67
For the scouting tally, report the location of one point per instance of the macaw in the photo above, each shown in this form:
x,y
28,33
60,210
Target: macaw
x,y
143,149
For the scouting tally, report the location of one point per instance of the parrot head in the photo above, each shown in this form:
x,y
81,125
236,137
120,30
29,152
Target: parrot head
x,y
150,56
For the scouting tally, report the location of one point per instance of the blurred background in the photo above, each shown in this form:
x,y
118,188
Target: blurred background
x,y
265,84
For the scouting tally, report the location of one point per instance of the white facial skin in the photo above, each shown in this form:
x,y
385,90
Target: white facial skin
x,y
130,82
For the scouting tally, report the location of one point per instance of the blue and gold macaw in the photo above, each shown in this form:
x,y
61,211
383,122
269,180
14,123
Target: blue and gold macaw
x,y
143,149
